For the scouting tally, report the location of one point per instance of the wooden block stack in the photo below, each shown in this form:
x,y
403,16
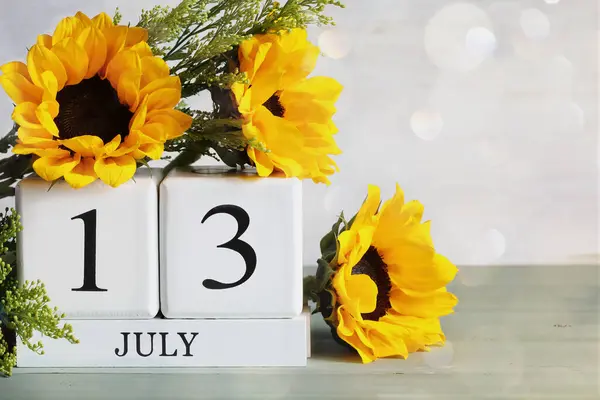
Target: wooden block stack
x,y
203,268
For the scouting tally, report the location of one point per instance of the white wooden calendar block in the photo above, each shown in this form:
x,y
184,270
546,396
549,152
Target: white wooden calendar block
x,y
274,342
95,248
231,245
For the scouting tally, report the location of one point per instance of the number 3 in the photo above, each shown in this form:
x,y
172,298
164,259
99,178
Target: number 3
x,y
235,244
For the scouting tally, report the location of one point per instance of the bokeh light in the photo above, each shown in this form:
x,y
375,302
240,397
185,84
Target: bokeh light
x,y
535,24
426,124
335,43
458,37
480,42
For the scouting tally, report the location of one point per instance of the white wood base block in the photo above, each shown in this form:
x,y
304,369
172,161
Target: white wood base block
x,y
176,343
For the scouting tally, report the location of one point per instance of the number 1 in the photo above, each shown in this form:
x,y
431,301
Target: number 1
x,y
89,252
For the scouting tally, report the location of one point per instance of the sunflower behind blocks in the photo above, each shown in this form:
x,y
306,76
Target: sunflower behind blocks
x,y
287,115
92,100
382,286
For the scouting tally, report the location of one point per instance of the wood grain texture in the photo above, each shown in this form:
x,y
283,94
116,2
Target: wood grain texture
x,y
518,333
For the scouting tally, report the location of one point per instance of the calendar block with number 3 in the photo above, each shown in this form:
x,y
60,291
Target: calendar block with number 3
x,y
94,248
231,245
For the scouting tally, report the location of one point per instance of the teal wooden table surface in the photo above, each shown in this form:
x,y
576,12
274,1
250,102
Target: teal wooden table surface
x,y
518,333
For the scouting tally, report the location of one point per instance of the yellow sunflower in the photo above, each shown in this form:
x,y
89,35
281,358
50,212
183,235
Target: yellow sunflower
x,y
92,100
388,287
287,117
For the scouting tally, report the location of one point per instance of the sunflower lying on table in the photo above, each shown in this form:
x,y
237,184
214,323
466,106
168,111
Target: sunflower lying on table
x,y
380,285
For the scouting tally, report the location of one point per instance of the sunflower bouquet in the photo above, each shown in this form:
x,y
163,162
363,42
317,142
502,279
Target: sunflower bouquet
x,y
97,100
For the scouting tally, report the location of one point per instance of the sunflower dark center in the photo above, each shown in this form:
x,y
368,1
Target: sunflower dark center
x,y
92,107
274,105
373,266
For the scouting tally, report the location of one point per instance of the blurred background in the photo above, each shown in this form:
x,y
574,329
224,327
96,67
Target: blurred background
x,y
485,111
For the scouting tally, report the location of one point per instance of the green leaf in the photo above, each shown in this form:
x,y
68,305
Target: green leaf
x,y
328,242
9,140
309,288
183,159
323,275
231,157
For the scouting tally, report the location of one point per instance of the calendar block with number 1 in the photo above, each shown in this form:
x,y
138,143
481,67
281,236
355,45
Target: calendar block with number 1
x,y
95,249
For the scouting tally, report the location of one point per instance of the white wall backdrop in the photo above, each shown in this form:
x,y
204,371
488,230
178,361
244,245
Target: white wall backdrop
x,y
486,111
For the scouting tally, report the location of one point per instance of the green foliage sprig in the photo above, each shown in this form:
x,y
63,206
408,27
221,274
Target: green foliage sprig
x,y
199,38
23,308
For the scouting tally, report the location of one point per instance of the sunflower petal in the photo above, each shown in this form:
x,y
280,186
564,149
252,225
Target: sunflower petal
x,y
319,88
115,42
50,88
74,59
347,324
86,145
128,88
351,333
26,134
300,63
354,243
45,41
124,61
85,20
102,21
264,166
432,304
92,40
163,98
362,289
52,168
115,171
19,89
24,115
45,113
15,66
142,49
153,68
153,133
386,343
423,276
170,125
246,55
417,333
136,35
282,138
264,86
82,175
152,150
129,145
69,27
316,111
43,149
109,147
184,120
369,207
139,117
39,143
40,60
170,82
